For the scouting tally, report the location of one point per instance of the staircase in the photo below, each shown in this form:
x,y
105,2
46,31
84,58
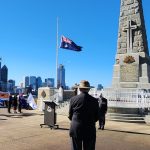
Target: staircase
x,y
132,118
63,108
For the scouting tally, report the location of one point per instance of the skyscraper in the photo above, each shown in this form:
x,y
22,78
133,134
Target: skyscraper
x,y
38,82
30,81
4,78
26,81
4,74
11,85
33,82
61,77
0,69
49,82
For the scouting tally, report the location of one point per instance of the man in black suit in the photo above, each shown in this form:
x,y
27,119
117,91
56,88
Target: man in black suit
x,y
9,103
83,113
102,111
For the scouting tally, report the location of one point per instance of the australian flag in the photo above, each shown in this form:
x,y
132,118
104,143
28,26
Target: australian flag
x,y
66,43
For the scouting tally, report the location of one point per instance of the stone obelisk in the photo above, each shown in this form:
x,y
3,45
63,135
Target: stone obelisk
x,y
132,62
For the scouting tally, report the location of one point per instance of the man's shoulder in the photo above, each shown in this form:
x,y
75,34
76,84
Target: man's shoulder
x,y
75,97
93,97
82,95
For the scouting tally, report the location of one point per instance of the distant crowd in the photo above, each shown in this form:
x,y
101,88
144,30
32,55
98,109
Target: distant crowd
x,y
16,103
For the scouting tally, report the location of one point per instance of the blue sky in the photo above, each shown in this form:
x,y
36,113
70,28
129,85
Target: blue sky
x,y
28,38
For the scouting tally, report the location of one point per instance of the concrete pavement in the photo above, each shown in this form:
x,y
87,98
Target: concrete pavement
x,y
23,132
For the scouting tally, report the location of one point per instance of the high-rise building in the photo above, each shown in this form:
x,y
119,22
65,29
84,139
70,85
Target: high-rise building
x,y
26,81
4,74
12,82
10,85
49,82
0,69
4,78
99,87
61,76
30,81
38,82
33,82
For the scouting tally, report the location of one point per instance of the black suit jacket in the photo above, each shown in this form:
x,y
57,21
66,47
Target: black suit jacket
x,y
102,106
83,113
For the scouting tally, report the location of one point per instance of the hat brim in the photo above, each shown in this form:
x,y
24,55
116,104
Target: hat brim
x,y
83,87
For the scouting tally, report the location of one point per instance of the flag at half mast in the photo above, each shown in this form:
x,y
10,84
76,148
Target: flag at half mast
x,y
66,43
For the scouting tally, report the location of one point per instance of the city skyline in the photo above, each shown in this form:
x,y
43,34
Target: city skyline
x,y
28,38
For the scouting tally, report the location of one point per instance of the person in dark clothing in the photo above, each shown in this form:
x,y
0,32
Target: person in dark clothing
x,y
83,113
15,103
9,103
102,111
75,88
20,101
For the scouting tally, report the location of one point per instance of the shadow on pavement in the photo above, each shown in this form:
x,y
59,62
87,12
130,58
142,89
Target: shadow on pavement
x,y
127,132
18,115
62,128
2,119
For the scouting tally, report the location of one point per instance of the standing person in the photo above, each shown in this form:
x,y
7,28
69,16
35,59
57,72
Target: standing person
x,y
102,111
9,103
75,88
83,113
15,103
20,102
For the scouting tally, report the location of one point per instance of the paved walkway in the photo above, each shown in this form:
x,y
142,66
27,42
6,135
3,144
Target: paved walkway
x,y
23,132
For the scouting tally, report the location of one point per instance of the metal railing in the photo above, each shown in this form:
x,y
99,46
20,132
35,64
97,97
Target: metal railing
x,y
127,98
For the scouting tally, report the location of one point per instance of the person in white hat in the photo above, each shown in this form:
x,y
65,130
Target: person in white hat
x,y
83,113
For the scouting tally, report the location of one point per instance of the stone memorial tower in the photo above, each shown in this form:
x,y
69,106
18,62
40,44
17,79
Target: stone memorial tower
x,y
132,65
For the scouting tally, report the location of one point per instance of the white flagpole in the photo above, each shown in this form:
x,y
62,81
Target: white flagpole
x,y
57,54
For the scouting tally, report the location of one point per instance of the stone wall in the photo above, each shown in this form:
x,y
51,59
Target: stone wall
x,y
44,93
68,94
132,10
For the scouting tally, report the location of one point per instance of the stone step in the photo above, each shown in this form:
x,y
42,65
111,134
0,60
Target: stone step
x,y
125,117
124,120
